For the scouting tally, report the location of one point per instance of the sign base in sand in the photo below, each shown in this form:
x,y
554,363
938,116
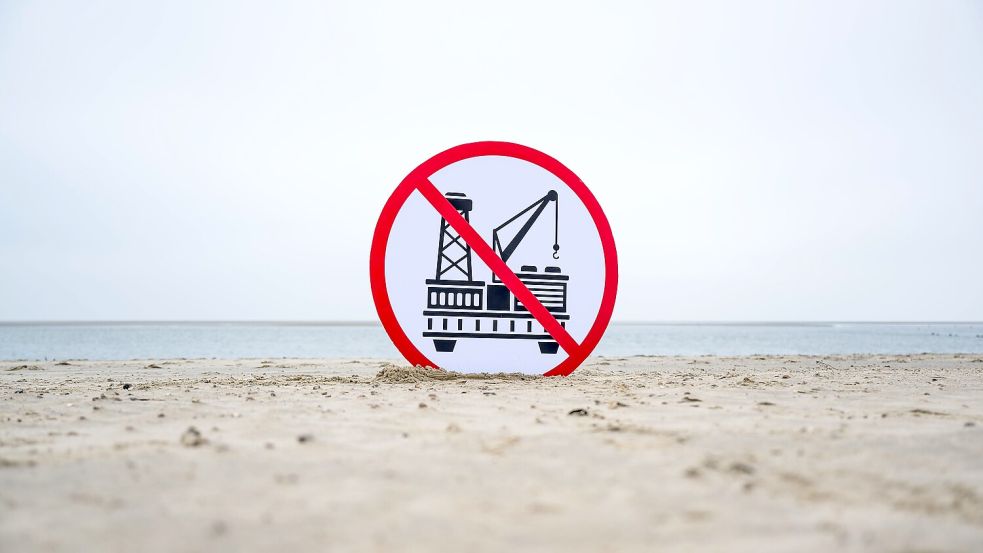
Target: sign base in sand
x,y
494,257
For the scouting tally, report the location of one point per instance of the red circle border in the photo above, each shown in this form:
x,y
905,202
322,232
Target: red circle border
x,y
380,240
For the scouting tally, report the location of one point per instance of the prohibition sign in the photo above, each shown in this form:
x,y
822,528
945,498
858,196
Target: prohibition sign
x,y
419,180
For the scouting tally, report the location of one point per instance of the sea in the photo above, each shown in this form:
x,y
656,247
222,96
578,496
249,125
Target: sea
x,y
226,340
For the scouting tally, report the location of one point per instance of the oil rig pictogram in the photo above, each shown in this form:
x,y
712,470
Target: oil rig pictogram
x,y
459,307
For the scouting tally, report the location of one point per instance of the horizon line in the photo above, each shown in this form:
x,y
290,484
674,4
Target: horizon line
x,y
367,322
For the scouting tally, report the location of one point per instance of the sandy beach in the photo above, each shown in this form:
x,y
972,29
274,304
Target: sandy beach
x,y
778,453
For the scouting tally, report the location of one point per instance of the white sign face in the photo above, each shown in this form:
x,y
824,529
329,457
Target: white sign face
x,y
462,313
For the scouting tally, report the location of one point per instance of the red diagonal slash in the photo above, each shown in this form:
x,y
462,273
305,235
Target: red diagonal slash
x,y
495,263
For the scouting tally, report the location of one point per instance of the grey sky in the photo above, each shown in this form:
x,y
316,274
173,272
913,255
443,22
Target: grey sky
x,y
758,161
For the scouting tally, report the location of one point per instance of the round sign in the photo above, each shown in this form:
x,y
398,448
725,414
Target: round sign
x,y
493,256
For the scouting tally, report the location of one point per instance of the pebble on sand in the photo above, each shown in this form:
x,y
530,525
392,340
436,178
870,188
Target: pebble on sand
x,y
192,438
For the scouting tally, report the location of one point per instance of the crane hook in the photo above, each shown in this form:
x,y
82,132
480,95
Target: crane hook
x,y
556,225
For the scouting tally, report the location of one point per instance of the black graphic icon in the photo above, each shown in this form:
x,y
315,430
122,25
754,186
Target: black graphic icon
x,y
460,307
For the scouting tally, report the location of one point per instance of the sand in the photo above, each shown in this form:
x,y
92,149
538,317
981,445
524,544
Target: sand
x,y
852,453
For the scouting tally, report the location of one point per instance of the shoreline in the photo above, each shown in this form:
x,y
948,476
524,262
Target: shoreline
x,y
593,359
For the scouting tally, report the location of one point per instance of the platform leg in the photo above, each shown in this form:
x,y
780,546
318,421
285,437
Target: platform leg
x,y
548,347
444,345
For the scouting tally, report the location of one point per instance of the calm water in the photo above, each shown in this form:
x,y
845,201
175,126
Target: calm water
x,y
229,340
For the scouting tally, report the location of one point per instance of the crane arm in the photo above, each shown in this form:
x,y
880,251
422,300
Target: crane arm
x,y
538,206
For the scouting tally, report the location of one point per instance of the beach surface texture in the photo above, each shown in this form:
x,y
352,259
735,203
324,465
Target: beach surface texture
x,y
772,453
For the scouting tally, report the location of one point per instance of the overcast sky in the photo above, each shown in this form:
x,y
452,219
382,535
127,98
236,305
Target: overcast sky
x,y
758,161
